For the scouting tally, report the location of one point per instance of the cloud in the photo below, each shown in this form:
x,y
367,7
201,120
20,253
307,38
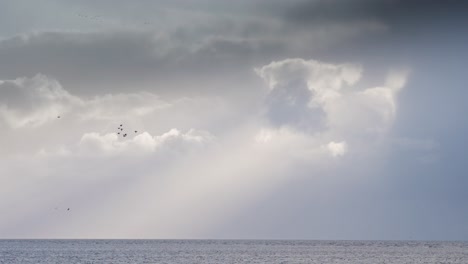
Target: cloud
x,y
39,100
389,11
173,141
299,88
30,109
316,96
309,104
337,148
331,145
32,102
186,171
90,63
320,76
369,111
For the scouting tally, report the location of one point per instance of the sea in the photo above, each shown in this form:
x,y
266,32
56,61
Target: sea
x,y
231,251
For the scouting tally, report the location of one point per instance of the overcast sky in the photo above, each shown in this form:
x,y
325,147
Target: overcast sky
x,y
259,119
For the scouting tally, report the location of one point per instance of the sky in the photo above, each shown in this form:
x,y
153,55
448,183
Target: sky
x,y
249,119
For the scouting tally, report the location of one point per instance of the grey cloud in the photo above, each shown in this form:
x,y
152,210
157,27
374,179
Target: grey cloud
x,y
389,11
90,63
300,91
205,49
78,58
388,32
288,104
33,101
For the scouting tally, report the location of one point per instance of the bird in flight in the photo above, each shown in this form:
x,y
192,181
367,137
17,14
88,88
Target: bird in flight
x,y
121,130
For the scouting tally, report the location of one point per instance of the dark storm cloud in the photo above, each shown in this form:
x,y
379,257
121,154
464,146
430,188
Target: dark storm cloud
x,y
209,41
390,11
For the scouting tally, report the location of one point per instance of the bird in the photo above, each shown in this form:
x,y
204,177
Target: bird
x,y
136,131
124,135
118,133
58,116
68,209
120,124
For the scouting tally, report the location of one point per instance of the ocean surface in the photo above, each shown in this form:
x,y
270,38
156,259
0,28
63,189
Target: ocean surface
x,y
230,251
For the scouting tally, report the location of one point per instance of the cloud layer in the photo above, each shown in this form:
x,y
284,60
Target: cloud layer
x,y
312,113
254,119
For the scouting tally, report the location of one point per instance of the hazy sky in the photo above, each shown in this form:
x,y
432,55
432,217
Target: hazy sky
x,y
254,118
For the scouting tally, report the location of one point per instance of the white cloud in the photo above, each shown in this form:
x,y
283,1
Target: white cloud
x,y
173,141
337,149
320,77
307,86
316,102
299,90
369,111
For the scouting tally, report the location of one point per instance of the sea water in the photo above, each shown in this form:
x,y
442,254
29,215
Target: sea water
x,y
230,251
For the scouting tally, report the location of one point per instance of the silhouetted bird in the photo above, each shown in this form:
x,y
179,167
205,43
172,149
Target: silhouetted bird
x,y
118,133
58,116
120,124
136,131
68,209
124,135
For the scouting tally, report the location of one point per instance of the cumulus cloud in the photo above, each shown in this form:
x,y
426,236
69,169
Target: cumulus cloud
x,y
320,76
300,88
30,109
318,102
173,141
327,92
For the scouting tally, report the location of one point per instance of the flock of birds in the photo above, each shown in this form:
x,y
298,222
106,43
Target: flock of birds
x,y
121,131
120,128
